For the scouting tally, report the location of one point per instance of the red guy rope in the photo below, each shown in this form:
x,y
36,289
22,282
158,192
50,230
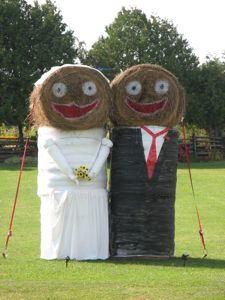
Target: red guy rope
x,y
9,234
193,192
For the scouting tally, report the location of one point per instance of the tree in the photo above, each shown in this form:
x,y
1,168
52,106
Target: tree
x,y
134,39
32,39
206,107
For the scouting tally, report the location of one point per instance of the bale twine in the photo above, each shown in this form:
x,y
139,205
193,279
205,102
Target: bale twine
x,y
73,76
147,75
142,211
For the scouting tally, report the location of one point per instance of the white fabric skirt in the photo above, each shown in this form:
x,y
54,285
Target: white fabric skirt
x,y
75,224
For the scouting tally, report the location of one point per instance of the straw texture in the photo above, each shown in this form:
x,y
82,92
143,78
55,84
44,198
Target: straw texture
x,y
147,75
73,77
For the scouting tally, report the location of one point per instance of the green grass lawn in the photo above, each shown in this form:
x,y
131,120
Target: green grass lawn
x,y
24,276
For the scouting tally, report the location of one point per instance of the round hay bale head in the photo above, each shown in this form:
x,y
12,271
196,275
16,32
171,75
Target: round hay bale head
x,y
147,94
71,97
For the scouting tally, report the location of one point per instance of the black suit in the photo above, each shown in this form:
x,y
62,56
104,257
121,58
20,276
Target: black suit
x,y
142,210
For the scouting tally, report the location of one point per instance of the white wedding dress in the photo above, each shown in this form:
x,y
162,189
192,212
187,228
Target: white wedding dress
x,y
74,217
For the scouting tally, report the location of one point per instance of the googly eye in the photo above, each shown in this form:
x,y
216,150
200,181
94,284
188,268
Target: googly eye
x,y
133,87
59,89
89,88
162,86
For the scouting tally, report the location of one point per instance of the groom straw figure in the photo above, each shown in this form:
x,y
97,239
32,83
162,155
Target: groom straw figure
x,y
71,106
147,102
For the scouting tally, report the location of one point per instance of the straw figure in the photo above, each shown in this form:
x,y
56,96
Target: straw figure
x,y
147,102
71,105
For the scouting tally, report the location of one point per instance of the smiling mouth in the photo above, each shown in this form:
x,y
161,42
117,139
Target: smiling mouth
x,y
72,111
147,108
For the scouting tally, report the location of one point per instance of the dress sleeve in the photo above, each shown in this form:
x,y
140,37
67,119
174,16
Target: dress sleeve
x,y
55,153
103,153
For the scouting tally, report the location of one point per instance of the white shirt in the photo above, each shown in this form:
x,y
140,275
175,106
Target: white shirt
x,y
147,140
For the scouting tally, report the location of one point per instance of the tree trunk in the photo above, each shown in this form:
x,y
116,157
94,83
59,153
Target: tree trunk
x,y
20,140
215,132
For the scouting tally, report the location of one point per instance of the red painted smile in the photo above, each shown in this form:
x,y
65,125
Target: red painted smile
x,y
147,108
72,111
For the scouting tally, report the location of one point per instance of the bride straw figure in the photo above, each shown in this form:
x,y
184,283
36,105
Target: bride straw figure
x,y
71,104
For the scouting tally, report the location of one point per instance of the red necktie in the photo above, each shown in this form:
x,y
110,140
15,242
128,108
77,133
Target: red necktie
x,y
152,156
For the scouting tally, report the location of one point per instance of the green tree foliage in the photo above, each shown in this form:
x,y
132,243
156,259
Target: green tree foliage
x,y
32,39
134,39
206,107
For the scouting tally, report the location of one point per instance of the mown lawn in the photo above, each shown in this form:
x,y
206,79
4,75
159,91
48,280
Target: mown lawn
x,y
24,276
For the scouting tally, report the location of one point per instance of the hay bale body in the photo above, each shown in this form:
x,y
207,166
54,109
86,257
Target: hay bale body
x,y
142,210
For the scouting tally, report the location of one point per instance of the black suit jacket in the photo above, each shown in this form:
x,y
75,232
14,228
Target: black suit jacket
x,y
142,210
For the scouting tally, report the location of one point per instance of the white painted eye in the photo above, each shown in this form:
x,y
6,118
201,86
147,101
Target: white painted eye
x,y
133,87
89,88
59,89
162,86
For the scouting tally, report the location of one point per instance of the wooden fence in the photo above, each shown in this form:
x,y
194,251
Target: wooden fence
x,y
203,148
11,147
200,148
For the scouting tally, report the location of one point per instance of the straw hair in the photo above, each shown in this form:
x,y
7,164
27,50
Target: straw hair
x,y
147,75
73,76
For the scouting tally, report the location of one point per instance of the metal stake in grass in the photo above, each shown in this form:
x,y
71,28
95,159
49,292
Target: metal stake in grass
x,y
4,254
184,257
67,259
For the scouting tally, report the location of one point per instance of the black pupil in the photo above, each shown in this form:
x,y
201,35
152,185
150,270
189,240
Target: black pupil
x,y
90,88
59,90
134,87
162,86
